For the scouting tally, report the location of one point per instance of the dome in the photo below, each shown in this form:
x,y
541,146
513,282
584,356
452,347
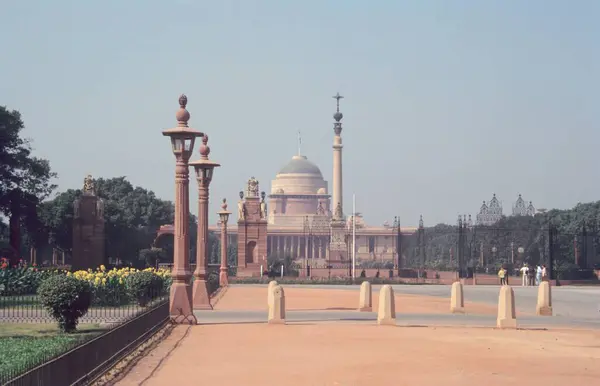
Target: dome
x,y
299,176
300,165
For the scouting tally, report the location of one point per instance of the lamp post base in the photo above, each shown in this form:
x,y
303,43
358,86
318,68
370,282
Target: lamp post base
x,y
201,298
180,304
223,280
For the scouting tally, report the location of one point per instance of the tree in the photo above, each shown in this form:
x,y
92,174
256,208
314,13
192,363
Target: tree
x,y
152,256
25,180
132,217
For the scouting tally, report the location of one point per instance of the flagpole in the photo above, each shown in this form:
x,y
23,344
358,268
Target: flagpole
x,y
353,236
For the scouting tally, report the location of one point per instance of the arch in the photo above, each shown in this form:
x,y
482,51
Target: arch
x,y
251,252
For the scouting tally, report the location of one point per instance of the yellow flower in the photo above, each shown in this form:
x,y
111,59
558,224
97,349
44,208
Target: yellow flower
x,y
97,281
103,281
102,268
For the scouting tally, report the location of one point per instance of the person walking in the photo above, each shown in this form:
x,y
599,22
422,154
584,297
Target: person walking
x,y
531,275
502,275
544,273
538,275
524,272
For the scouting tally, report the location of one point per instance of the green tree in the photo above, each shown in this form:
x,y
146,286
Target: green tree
x,y
25,180
132,217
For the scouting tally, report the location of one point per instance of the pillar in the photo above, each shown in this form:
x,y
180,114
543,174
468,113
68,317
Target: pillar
x,y
181,291
223,279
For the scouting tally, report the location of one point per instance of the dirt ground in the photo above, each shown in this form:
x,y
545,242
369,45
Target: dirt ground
x,y
304,354
346,354
255,298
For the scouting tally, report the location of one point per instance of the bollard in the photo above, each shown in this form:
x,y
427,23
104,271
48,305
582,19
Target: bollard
x,y
457,299
277,307
386,314
506,308
272,284
261,271
282,271
365,303
544,300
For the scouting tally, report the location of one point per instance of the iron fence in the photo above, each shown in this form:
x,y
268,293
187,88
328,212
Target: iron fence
x,y
105,308
88,359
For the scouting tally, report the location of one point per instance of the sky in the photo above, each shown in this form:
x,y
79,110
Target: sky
x,y
446,102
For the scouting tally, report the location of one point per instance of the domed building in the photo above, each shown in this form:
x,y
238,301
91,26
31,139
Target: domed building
x,y
303,220
297,191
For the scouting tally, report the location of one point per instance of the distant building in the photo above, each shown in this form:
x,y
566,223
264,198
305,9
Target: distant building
x,y
490,213
520,208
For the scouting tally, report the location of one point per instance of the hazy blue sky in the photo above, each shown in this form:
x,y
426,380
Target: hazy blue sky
x,y
446,102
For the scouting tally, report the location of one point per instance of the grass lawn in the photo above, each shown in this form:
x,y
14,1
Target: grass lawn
x,y
26,345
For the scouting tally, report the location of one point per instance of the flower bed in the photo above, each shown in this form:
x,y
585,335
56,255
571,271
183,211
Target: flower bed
x,y
121,286
23,279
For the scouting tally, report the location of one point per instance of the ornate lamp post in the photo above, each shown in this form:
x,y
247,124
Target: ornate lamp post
x,y
182,141
224,216
204,171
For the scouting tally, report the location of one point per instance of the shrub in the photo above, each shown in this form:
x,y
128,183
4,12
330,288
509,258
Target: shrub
x,y
23,279
66,299
143,286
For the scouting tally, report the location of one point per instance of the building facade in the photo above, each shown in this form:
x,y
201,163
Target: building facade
x,y
491,213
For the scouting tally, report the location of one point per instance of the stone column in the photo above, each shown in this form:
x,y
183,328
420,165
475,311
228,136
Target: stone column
x,y
200,290
181,296
337,159
204,170
224,215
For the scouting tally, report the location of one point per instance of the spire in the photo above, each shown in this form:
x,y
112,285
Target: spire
x,y
337,126
299,143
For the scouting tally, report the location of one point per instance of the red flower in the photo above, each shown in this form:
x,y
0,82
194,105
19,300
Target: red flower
x,y
34,264
4,265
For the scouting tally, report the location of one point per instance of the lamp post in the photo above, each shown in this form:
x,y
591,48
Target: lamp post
x,y
182,142
224,216
204,171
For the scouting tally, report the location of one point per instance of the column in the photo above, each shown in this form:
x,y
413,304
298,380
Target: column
x,y
181,296
200,290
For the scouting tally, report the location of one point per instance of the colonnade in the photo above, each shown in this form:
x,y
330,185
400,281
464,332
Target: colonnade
x,y
316,247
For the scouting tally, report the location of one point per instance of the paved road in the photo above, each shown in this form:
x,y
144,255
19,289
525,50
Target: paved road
x,y
241,317
573,306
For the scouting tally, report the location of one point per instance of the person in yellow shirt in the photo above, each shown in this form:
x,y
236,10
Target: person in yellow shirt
x,y
502,276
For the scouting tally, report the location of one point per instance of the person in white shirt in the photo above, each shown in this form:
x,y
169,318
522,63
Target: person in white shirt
x,y
524,270
538,275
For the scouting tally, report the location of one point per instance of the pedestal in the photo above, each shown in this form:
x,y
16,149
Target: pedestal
x,y
201,297
223,280
180,302
338,250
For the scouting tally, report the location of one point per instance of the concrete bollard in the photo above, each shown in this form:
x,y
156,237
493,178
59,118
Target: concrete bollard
x,y
386,314
544,300
507,317
365,303
277,307
272,284
457,299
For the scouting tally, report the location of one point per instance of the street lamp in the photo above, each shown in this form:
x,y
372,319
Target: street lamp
x,y
204,172
182,142
224,216
521,251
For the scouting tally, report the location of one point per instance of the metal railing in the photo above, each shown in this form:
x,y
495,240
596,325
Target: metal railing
x,y
88,360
